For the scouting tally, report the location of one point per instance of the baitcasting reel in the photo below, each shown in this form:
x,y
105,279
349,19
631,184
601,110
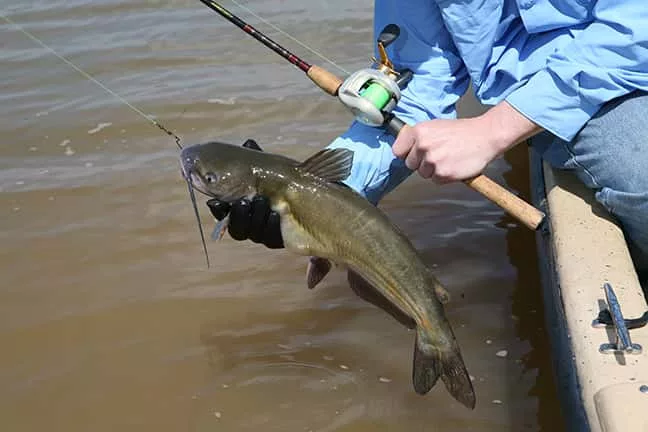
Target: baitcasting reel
x,y
372,93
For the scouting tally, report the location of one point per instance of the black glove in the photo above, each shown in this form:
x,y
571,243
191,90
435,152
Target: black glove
x,y
250,219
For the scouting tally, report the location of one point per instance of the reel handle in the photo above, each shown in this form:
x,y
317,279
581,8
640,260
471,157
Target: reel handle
x,y
530,216
388,35
404,78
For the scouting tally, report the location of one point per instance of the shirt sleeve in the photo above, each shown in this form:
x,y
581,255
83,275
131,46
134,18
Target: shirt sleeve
x,y
439,79
606,59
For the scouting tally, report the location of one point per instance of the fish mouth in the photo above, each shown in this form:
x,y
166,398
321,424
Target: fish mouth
x,y
197,184
190,174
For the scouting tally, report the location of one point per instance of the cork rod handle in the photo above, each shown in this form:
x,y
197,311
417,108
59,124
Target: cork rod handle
x,y
512,204
324,79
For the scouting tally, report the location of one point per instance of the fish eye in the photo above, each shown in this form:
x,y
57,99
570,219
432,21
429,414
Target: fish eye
x,y
211,178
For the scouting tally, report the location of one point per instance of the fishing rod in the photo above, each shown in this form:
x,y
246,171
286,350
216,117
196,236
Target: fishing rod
x,y
371,94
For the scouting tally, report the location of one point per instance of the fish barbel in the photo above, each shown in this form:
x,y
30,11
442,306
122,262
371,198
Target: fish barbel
x,y
323,219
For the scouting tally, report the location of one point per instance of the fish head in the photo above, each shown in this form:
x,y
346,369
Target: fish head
x,y
219,170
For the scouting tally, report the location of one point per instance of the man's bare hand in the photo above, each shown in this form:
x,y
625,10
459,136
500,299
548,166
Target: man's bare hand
x,y
452,150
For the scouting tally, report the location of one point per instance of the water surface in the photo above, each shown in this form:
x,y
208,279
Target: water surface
x,y
109,318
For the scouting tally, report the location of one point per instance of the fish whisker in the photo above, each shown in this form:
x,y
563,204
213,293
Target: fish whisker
x,y
192,195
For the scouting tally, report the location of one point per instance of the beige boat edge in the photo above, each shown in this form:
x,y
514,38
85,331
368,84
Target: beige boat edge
x,y
584,249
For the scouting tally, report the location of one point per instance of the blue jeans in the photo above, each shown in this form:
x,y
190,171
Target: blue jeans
x,y
610,155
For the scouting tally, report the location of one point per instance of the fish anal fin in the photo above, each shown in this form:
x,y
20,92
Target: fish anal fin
x,y
318,268
369,293
333,165
431,362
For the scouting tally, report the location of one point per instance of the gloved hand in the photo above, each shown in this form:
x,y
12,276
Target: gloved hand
x,y
250,219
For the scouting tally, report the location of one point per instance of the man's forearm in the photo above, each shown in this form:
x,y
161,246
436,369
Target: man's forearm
x,y
508,126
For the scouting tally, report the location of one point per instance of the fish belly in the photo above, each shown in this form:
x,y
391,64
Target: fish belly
x,y
345,228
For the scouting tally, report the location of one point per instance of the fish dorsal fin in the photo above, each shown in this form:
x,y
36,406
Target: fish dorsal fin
x,y
330,164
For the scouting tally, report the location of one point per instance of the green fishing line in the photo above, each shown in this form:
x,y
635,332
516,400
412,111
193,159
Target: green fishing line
x,y
376,94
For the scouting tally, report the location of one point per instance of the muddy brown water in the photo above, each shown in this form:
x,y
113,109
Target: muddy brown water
x,y
109,318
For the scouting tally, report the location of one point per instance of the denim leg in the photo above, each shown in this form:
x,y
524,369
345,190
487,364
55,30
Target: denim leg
x,y
610,155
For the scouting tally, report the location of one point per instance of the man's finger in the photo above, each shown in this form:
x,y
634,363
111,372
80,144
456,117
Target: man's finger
x,y
273,238
260,211
414,158
427,170
404,142
218,208
240,219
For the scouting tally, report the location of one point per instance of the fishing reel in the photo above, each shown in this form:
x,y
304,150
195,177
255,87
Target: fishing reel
x,y
372,93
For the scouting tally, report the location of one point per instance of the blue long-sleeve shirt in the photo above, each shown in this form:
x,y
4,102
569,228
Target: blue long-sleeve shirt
x,y
555,61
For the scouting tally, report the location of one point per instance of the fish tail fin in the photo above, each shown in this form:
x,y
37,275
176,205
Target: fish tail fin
x,y
431,362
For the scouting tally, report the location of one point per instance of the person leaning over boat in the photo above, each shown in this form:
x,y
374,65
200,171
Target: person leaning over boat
x,y
572,74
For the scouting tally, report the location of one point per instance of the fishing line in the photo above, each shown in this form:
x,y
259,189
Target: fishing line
x,y
91,78
123,100
314,51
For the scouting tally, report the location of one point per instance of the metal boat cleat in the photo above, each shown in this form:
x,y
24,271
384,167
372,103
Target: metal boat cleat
x,y
604,319
613,317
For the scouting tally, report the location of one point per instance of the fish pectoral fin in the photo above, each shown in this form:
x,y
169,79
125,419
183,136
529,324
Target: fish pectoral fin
x,y
330,164
219,228
432,362
318,268
369,293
